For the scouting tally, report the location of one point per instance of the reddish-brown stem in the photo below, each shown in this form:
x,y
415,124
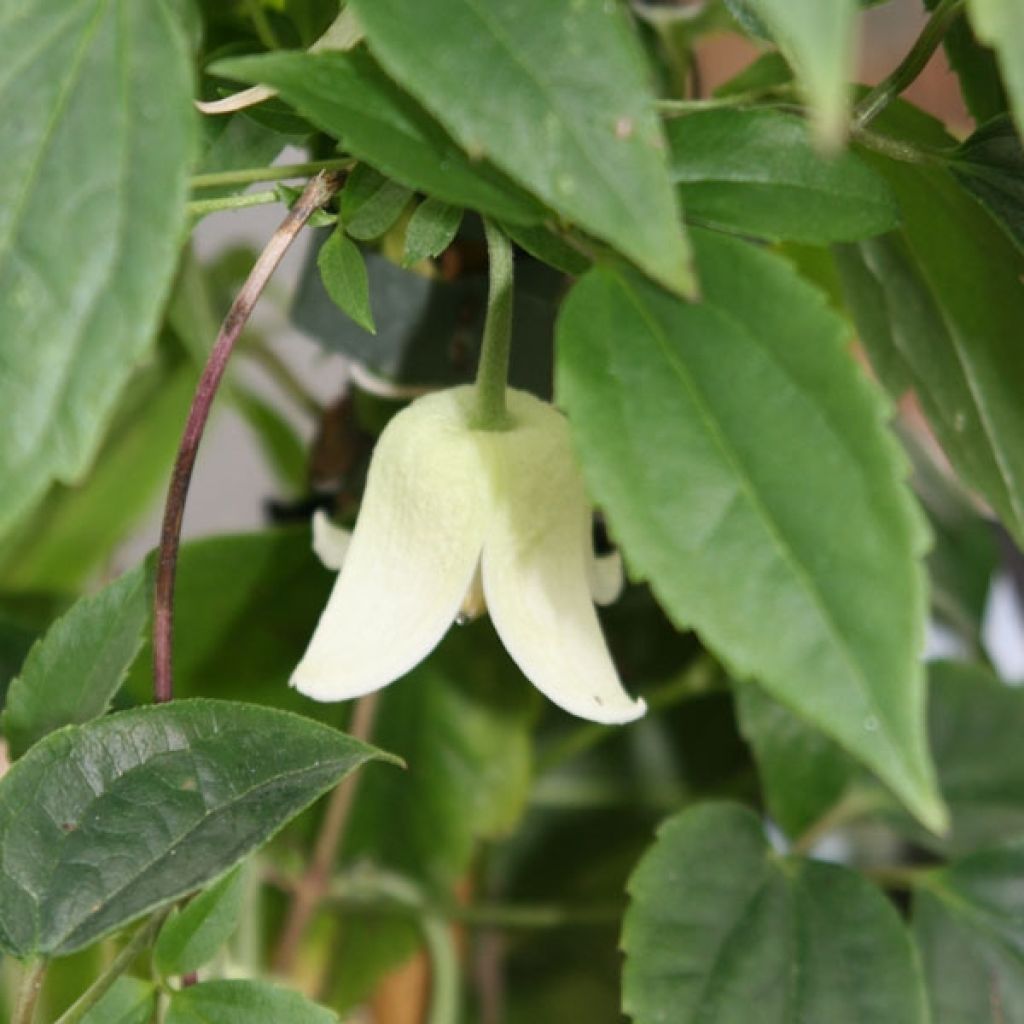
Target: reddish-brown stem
x,y
319,190
316,880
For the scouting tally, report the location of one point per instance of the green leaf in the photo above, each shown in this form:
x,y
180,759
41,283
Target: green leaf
x,y
244,1002
77,528
543,244
235,143
803,773
245,608
556,94
968,925
371,203
965,553
768,71
103,822
755,171
939,306
990,164
975,67
343,272
129,1001
92,204
975,725
818,39
719,924
693,422
73,672
349,97
193,936
1000,24
430,231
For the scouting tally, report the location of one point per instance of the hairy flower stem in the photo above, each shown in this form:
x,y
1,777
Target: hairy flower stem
x,y
492,372
315,882
318,192
28,996
911,66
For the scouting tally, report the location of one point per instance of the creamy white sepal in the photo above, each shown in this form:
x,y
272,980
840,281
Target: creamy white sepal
x,y
536,573
330,542
413,554
606,577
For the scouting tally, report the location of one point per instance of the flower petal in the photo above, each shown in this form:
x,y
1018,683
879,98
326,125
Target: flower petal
x,y
414,551
330,542
535,569
605,575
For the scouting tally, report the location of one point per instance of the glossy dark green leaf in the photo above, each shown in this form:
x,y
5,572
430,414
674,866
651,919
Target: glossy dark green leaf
x,y
129,1001
756,172
371,203
343,272
1000,24
348,96
718,924
990,164
194,934
692,422
103,822
73,672
969,926
522,85
244,1002
803,773
430,231
96,153
429,329
940,307
819,40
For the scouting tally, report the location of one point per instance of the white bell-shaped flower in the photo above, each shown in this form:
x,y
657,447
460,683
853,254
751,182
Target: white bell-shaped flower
x,y
451,512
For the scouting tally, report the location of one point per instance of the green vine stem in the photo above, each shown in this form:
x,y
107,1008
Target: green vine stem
x,y
139,942
201,207
28,995
911,66
272,172
492,372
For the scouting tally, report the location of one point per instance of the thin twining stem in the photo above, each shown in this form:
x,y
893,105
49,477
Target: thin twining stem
x,y
318,192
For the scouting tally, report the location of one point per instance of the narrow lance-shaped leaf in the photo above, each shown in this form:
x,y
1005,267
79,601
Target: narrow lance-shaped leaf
x,y
343,271
349,97
72,673
556,94
718,924
244,1002
103,822
692,423
940,308
95,155
1000,24
194,934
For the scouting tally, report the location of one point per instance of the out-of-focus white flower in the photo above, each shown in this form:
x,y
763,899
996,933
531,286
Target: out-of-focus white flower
x,y
456,519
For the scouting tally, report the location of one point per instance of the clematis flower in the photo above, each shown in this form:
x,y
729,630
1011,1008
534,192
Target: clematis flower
x,y
455,519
